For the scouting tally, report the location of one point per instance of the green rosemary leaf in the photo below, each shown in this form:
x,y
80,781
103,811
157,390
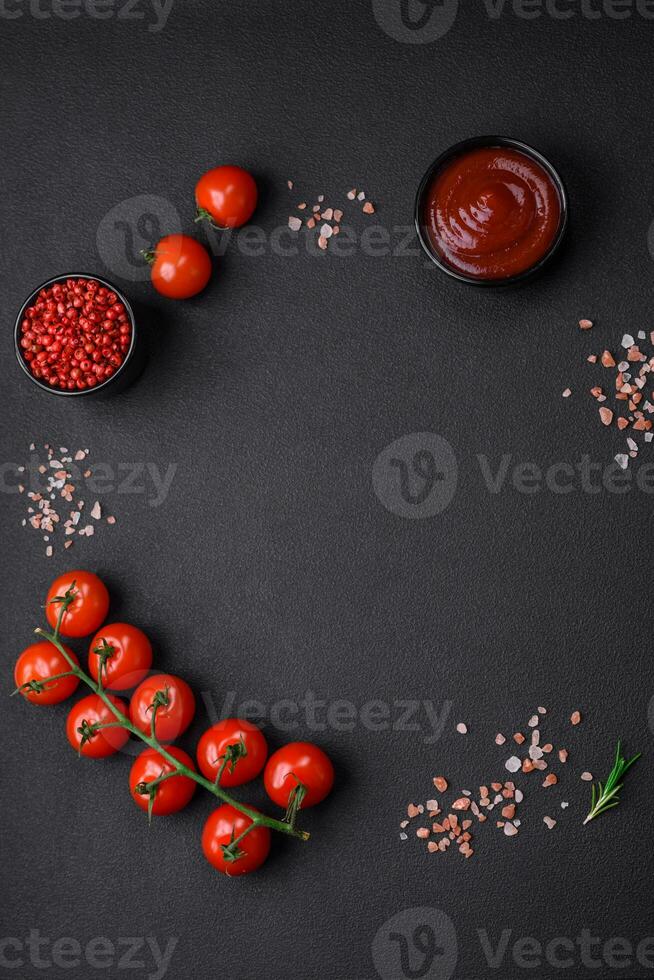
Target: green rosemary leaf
x,y
603,797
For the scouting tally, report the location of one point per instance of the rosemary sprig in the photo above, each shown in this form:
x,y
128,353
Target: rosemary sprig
x,y
606,796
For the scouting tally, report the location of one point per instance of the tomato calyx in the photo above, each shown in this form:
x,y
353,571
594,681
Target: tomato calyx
x,y
65,600
149,254
232,852
38,687
233,752
295,798
149,789
201,214
88,731
161,699
105,652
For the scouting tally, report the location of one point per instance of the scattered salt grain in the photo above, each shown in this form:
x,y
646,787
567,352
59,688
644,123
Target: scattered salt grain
x,y
627,340
513,764
96,511
499,739
575,717
567,393
461,728
587,777
622,460
585,324
551,823
294,223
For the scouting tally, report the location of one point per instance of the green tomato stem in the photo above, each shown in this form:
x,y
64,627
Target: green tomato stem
x,y
258,819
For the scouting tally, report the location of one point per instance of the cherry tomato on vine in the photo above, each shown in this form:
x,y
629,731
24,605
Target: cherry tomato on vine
x,y
88,609
90,711
227,195
170,796
126,654
176,706
298,763
222,827
37,663
181,267
240,735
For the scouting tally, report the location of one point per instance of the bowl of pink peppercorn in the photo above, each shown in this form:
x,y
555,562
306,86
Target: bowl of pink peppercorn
x,y
76,335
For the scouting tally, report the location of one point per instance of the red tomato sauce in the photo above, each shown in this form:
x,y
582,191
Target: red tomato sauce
x,y
492,213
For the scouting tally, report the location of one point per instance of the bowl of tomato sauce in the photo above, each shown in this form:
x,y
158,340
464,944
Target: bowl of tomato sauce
x,y
76,335
491,211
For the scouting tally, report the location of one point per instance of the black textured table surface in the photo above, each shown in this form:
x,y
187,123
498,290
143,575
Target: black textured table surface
x,y
262,537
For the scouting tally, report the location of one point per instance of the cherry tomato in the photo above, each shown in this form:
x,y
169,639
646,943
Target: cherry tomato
x,y
172,794
88,609
176,710
92,710
298,763
37,663
232,732
228,195
181,267
127,655
221,828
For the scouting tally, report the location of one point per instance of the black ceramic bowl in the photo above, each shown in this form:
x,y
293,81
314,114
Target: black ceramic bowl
x,y
473,144
128,370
